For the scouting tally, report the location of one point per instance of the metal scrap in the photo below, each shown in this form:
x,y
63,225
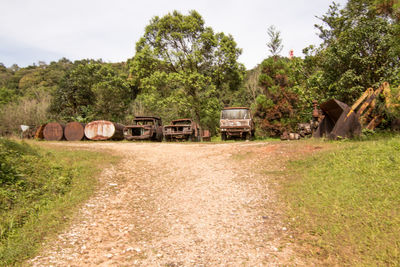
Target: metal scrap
x,y
337,121
104,130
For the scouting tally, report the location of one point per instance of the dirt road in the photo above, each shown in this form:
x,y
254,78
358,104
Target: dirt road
x,y
171,204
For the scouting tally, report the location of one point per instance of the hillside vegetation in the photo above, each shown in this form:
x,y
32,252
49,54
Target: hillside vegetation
x,y
40,187
183,68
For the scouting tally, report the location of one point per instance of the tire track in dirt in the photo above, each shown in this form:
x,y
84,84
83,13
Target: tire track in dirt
x,y
177,205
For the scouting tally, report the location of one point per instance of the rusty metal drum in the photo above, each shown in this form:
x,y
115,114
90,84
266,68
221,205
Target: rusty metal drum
x,y
74,131
104,130
53,131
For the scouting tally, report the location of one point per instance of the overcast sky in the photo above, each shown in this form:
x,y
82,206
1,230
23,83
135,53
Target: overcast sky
x,y
47,30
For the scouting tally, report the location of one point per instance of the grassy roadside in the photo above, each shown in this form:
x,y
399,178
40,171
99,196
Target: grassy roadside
x,y
40,188
344,205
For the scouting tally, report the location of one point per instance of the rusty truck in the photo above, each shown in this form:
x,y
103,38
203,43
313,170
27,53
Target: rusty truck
x,y
182,129
144,128
236,122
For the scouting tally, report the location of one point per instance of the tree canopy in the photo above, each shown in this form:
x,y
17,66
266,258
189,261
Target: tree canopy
x,y
91,90
359,50
183,68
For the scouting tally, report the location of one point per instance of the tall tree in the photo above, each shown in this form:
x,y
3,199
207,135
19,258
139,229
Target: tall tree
x,y
277,108
183,66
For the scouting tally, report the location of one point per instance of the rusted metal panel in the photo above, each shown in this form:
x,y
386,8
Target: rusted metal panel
x,y
74,131
338,122
104,130
53,131
206,135
39,132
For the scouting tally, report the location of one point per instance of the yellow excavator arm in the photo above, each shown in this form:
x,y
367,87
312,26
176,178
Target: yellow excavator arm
x,y
369,99
368,93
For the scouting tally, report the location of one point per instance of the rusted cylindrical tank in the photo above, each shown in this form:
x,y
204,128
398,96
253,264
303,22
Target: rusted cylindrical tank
x,y
74,131
39,131
53,131
104,130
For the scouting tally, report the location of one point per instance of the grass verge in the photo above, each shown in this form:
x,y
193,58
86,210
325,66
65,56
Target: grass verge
x,y
345,204
40,188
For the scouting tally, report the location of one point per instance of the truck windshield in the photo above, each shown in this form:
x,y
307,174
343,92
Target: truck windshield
x,y
181,122
143,122
235,114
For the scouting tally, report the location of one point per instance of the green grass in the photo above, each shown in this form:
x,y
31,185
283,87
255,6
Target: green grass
x,y
345,204
40,188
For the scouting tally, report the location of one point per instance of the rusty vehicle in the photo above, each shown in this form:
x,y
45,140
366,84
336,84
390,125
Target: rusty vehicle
x,y
144,128
182,129
236,122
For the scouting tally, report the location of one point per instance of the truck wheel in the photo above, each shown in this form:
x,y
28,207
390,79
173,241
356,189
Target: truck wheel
x,y
248,136
223,136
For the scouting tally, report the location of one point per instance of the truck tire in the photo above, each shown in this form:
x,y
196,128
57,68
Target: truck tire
x,y
223,136
192,138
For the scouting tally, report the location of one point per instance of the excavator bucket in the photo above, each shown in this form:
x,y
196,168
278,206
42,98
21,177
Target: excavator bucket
x,y
338,121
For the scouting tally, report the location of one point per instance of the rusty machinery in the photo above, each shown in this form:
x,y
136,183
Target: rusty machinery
x,y
366,117
340,120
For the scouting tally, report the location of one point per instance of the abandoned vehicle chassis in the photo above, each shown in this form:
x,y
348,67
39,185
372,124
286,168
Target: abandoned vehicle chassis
x,y
185,131
144,128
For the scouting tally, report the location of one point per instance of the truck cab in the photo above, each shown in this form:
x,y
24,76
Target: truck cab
x,y
236,122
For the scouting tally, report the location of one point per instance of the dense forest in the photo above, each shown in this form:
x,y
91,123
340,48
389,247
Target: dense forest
x,y
182,68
